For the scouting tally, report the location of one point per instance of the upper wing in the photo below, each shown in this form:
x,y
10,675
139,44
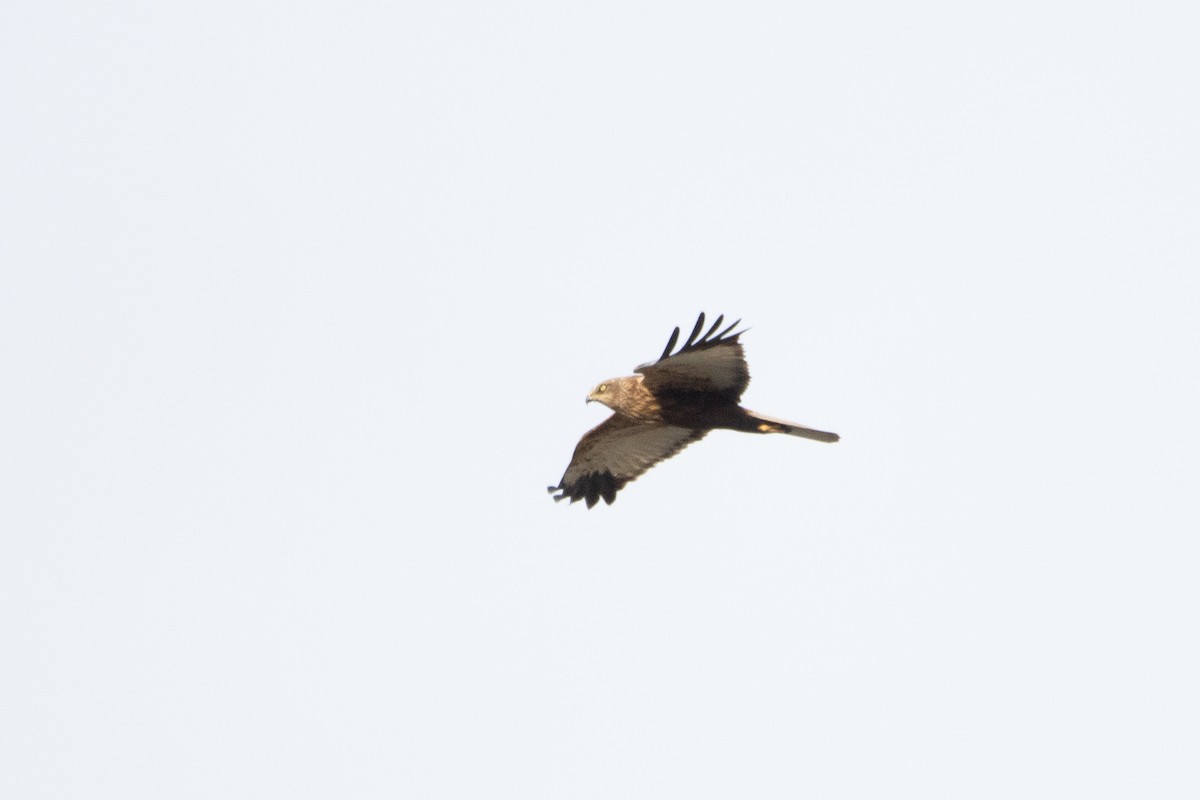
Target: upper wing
x,y
615,452
705,364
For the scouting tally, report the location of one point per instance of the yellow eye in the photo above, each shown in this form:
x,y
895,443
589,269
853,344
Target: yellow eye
x,y
603,388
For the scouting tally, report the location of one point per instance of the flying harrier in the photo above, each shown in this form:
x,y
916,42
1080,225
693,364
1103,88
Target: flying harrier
x,y
669,404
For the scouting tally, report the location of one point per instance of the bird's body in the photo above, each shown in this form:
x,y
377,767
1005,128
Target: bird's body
x,y
671,403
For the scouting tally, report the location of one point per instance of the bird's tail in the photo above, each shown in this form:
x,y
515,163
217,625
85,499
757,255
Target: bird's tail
x,y
764,424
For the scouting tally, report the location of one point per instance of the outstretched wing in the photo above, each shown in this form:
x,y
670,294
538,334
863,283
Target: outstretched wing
x,y
615,452
705,363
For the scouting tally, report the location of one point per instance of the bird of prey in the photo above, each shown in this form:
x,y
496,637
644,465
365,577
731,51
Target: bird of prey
x,y
669,404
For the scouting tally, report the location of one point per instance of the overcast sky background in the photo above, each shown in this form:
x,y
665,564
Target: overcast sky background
x,y
299,304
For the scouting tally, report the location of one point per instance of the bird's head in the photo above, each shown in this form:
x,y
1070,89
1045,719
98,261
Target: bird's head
x,y
608,393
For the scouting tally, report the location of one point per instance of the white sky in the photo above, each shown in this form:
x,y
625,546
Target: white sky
x,y
299,304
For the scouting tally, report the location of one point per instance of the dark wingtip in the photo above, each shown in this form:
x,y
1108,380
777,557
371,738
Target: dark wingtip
x,y
695,331
715,325
695,339
670,343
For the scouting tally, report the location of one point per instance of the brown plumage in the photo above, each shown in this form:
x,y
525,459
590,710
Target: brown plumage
x,y
669,404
